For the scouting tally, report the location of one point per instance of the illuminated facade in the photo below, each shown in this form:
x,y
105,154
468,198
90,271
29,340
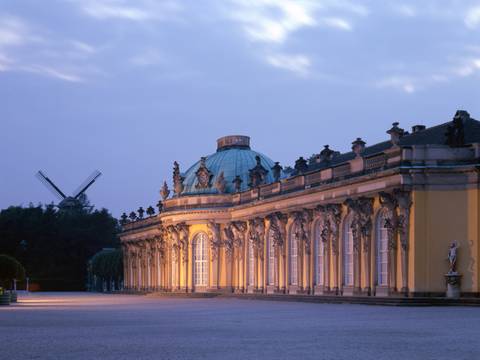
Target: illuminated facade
x,y
376,221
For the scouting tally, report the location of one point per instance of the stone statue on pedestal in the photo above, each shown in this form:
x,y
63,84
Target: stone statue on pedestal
x,y
452,257
453,277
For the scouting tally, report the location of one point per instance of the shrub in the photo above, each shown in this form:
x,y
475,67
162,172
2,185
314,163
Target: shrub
x,y
10,269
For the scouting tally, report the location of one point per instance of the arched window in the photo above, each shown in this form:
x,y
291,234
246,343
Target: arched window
x,y
382,249
319,261
271,261
200,275
348,252
293,258
251,264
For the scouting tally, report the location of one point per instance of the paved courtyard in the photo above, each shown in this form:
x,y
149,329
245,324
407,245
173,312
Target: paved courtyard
x,y
97,326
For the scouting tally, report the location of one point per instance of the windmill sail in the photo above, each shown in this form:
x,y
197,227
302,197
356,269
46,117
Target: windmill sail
x,y
86,184
50,185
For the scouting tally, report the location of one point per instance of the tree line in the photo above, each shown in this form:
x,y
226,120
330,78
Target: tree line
x,y
54,246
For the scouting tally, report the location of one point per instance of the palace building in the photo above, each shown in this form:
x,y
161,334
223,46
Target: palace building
x,y
376,221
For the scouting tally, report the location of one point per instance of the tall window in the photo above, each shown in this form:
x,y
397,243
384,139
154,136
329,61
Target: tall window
x,y
382,250
174,269
348,252
132,269
293,258
251,264
200,260
319,261
271,262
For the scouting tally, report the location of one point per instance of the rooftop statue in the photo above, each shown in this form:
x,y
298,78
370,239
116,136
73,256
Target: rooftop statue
x,y
220,183
456,131
177,179
164,191
257,174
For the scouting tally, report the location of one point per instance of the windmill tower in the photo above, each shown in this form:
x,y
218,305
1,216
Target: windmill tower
x,y
74,202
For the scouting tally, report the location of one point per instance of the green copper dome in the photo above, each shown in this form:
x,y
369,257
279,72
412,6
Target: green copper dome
x,y
233,160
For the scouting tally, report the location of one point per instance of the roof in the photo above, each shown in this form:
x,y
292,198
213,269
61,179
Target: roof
x,y
435,135
233,160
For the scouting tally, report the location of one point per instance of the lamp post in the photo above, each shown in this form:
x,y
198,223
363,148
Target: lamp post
x,y
27,279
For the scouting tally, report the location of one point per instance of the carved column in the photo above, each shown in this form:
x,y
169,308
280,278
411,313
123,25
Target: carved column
x,y
301,227
256,235
334,218
239,229
389,203
278,223
183,234
323,238
404,204
366,212
131,259
140,258
260,252
126,265
307,244
148,264
356,253
145,265
176,255
157,245
138,264
228,244
361,210
215,243
252,246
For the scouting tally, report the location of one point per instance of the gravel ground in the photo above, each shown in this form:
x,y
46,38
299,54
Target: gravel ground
x,y
71,326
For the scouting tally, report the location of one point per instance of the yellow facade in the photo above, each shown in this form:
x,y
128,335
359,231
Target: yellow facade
x,y
378,222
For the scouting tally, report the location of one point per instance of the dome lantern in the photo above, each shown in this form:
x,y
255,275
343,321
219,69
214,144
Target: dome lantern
x,y
233,142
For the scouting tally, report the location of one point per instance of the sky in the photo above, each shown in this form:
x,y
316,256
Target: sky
x,y
129,86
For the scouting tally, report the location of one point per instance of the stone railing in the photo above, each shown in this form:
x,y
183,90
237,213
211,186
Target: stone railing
x,y
375,162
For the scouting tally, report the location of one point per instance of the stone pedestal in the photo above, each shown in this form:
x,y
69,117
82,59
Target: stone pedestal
x,y
453,285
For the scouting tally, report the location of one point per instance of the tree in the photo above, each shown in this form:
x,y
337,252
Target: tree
x,y
10,269
107,267
53,245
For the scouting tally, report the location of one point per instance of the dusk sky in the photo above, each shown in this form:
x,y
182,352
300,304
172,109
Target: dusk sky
x,y
127,87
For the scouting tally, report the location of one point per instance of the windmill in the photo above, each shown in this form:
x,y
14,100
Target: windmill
x,y
69,202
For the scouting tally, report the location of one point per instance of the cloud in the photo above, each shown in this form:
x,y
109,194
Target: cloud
x,y
83,47
271,23
53,72
403,83
13,32
472,18
336,23
460,67
468,67
275,20
299,64
112,10
5,62
404,9
25,48
272,20
140,10
147,58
